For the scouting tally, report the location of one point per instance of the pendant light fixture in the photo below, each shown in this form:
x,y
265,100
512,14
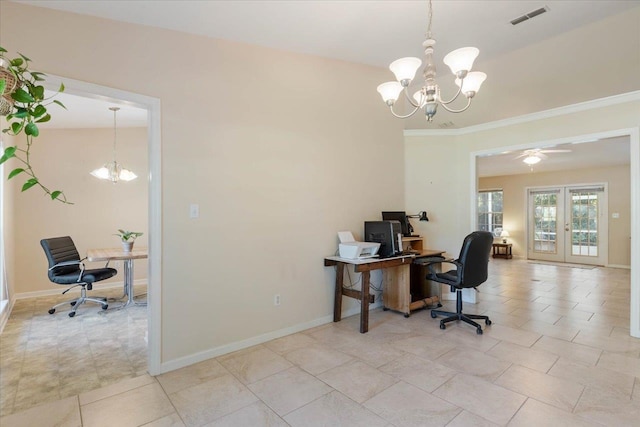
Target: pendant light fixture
x,y
113,171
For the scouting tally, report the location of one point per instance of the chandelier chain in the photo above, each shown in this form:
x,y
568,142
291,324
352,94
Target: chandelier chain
x,y
429,36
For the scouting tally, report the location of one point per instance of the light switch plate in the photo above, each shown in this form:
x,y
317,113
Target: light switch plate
x,y
194,211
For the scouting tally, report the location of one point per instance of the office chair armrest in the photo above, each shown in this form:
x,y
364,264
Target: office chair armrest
x,y
68,263
432,262
65,264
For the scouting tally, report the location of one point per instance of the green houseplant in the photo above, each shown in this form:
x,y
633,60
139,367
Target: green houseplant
x,y
23,102
127,238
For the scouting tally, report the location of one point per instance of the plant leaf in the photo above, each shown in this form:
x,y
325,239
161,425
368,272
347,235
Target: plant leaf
x,y
20,95
59,103
55,194
16,62
9,152
20,114
24,57
44,118
3,85
15,172
30,183
61,89
32,129
16,127
39,110
2,49
38,92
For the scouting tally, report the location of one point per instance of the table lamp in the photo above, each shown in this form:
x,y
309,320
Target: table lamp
x,y
504,234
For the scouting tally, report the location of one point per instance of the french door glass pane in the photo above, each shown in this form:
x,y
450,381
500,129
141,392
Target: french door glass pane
x,y
545,213
584,223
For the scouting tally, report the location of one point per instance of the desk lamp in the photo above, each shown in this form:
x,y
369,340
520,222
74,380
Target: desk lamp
x,y
422,216
504,234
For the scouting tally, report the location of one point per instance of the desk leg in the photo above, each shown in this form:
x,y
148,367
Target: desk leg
x,y
364,303
337,302
128,284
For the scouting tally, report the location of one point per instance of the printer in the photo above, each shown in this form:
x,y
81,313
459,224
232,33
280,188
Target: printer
x,y
349,248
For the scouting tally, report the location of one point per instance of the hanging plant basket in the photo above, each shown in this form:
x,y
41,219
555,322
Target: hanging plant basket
x,y
11,83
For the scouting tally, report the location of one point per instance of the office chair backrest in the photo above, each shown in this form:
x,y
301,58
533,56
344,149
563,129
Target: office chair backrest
x,y
60,249
474,257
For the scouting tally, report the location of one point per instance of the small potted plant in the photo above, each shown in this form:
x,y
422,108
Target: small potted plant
x,y
128,237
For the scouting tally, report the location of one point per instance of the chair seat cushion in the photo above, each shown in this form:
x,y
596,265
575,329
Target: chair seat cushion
x,y
90,276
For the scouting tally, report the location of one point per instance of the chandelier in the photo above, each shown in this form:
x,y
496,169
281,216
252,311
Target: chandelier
x,y
113,171
428,97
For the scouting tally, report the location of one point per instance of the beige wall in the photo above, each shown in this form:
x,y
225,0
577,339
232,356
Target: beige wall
x,y
514,205
280,151
439,167
62,160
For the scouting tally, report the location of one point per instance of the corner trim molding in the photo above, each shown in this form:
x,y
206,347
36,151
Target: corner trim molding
x,y
545,114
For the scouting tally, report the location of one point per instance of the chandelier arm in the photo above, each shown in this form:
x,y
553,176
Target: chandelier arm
x,y
451,110
403,117
452,99
406,94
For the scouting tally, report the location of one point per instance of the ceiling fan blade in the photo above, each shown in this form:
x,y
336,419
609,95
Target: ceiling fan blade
x,y
541,155
554,151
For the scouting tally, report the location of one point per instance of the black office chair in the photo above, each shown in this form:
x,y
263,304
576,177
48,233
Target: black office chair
x,y
66,268
471,271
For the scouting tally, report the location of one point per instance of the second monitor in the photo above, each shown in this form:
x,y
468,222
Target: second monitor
x,y
401,217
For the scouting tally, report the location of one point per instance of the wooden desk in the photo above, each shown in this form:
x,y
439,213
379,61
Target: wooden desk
x,y
396,290
499,254
116,254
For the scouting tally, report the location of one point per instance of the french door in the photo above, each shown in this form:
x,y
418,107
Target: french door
x,y
568,224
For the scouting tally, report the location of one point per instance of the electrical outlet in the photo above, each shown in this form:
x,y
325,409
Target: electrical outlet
x,y
276,299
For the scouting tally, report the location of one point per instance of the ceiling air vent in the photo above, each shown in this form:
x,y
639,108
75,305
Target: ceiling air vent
x,y
529,15
446,125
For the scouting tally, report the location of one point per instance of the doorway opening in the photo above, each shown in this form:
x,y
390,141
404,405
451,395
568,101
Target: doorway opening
x,y
154,195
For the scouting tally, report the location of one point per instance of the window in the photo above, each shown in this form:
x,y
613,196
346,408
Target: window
x,y
490,211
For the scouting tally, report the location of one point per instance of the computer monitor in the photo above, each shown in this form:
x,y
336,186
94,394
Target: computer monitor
x,y
401,217
387,233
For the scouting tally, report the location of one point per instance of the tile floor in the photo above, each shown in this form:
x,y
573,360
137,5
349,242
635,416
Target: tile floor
x,y
558,353
47,357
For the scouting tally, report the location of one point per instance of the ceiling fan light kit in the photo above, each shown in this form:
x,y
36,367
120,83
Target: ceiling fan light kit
x,y
460,61
535,155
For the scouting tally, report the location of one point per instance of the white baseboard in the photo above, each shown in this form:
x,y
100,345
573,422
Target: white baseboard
x,y
626,267
240,345
55,291
5,311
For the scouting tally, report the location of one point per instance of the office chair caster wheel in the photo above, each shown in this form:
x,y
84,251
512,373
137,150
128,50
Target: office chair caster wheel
x,y
72,303
433,315
385,309
487,322
105,306
479,331
52,310
73,313
439,305
406,315
443,326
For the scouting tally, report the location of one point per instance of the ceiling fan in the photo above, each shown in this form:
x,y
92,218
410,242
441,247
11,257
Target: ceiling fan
x,y
533,156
